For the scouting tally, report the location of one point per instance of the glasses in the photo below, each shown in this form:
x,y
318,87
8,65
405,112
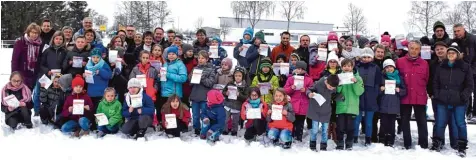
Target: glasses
x,y
254,95
16,81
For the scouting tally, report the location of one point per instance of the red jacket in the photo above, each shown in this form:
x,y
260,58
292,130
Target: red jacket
x,y
415,74
299,100
286,122
287,50
87,101
246,105
189,64
186,115
316,70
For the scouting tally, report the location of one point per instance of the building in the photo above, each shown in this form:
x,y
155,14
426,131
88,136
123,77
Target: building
x,y
273,28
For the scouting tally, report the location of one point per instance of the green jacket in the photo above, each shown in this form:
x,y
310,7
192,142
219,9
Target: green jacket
x,y
268,98
349,102
112,110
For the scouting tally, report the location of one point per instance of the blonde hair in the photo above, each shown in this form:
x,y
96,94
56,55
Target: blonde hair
x,y
109,89
282,91
32,26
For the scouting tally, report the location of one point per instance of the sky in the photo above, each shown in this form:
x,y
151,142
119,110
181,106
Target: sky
x,y
382,15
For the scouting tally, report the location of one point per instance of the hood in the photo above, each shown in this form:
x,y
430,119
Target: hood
x,y
250,32
214,97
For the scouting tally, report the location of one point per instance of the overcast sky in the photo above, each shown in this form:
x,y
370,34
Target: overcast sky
x,y
382,15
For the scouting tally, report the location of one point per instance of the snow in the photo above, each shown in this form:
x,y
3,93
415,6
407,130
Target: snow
x,y
42,142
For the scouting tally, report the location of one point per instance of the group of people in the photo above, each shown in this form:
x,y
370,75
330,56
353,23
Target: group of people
x,y
146,80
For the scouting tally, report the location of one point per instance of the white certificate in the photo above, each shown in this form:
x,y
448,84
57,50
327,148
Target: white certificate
x,y
55,72
263,49
390,86
112,56
264,88
45,80
331,46
163,74
171,120
299,82
78,106
196,76
232,92
136,101
214,52
319,98
277,112
322,53
284,68
426,52
77,62
101,119
245,49
142,79
12,101
276,68
345,78
89,76
253,113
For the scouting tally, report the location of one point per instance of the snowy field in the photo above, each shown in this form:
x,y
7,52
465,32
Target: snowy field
x,y
42,142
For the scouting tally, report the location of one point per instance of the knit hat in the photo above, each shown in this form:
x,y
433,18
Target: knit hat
x,y
134,82
260,35
362,42
228,62
366,52
374,40
332,36
214,97
301,64
332,56
65,81
265,62
173,49
248,31
437,25
321,39
295,55
385,38
186,47
77,81
283,56
96,52
216,38
454,47
389,62
240,69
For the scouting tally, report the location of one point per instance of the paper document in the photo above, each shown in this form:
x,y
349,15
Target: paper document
x,y
78,106
390,86
277,112
196,76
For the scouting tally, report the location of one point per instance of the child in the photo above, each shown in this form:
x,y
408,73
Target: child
x,y
266,75
182,116
281,58
321,114
190,62
316,66
51,99
213,116
372,79
254,127
79,124
138,117
175,75
81,51
111,107
21,114
224,74
233,106
332,68
101,74
53,57
157,54
299,100
292,62
216,41
207,80
65,84
281,128
347,105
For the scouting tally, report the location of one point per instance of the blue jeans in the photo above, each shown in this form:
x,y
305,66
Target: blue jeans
x,y
314,130
108,129
449,113
368,117
72,125
36,97
214,136
196,108
284,135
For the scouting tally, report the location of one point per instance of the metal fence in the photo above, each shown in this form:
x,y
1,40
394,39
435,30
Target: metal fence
x,y
7,43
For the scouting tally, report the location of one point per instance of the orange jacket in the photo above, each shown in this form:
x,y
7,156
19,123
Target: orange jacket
x,y
286,122
287,50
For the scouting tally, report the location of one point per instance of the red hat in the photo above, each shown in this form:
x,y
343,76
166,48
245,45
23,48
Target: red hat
x,y
77,81
214,97
385,38
332,36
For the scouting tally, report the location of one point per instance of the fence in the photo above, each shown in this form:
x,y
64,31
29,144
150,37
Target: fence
x,y
7,43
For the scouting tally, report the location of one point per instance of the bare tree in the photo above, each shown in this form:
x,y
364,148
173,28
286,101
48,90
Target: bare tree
x,y
468,9
424,13
144,15
355,19
163,13
225,29
199,23
252,10
454,16
292,10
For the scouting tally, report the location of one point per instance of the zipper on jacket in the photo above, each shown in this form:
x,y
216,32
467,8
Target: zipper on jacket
x,y
451,74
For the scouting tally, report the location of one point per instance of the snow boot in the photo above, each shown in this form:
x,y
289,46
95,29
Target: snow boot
x,y
389,140
323,146
140,134
340,145
197,132
436,144
367,141
234,134
331,131
462,146
356,139
101,134
287,145
312,145
348,144
28,125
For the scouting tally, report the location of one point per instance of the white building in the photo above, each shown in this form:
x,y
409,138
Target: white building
x,y
273,28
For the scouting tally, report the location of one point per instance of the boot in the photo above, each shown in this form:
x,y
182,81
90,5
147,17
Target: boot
x,y
389,140
312,145
356,139
28,125
462,146
332,131
436,144
340,145
197,132
367,141
84,133
349,144
234,134
140,134
323,146
76,133
381,139
224,133
287,145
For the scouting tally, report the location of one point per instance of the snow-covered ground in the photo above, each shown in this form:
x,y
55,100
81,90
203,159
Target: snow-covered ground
x,y
42,142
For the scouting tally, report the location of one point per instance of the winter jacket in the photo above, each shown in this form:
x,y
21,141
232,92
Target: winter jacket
x,y
176,76
281,48
197,47
148,108
349,102
140,49
467,46
253,59
217,61
217,116
268,98
69,103
303,53
112,110
246,105
46,37
316,67
101,81
372,78
299,100
182,113
52,58
390,103
68,68
286,122
224,77
207,81
321,113
162,43
20,62
453,85
415,74
19,94
190,63
80,32
243,91
434,64
52,99
152,78
446,39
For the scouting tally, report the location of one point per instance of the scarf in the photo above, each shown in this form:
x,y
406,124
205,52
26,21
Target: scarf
x,y
144,68
32,52
128,97
26,93
255,103
451,64
94,67
332,71
394,76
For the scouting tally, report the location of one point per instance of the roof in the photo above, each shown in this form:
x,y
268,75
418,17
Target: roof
x,y
276,24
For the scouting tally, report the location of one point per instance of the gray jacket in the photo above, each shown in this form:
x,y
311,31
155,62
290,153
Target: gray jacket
x,y
208,79
291,117
153,74
320,113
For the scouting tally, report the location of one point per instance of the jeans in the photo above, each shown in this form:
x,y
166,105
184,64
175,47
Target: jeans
x,y
205,129
108,129
196,108
72,125
451,113
314,130
283,134
368,118
36,97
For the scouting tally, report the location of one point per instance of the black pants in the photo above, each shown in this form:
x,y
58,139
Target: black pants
x,y
387,124
472,102
258,128
376,133
47,114
299,126
345,125
309,123
19,115
176,131
420,116
158,107
96,101
132,126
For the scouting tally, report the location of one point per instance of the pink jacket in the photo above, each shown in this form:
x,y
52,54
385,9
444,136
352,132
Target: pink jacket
x,y
415,73
299,100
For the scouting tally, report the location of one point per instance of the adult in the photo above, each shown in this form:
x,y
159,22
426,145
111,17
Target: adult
x,y
159,37
68,37
283,47
246,39
178,42
467,45
381,55
130,35
46,31
202,42
303,50
414,71
440,34
452,87
90,36
147,45
171,36
87,24
137,43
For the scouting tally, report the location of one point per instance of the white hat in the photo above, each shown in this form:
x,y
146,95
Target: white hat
x,y
389,62
134,82
332,56
367,52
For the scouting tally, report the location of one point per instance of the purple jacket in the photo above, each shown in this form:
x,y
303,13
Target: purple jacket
x,y
415,74
19,62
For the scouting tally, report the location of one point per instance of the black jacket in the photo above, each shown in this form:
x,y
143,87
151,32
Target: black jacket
x,y
68,68
434,64
303,53
467,46
453,85
52,99
46,37
446,39
52,59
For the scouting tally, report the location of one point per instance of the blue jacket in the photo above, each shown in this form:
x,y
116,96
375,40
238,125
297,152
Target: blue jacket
x,y
253,58
217,115
217,61
372,78
236,51
176,76
147,108
101,81
390,104
98,44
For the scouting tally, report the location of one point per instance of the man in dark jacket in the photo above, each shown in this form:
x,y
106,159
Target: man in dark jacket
x,y
439,35
130,33
46,32
303,50
159,37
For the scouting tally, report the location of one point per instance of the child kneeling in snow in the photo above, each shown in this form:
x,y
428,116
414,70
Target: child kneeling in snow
x,y
254,127
138,110
182,116
281,128
21,113
51,100
111,108
213,116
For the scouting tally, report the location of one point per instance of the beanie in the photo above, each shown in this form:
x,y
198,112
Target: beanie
x,y
228,62
96,52
438,24
265,62
248,31
214,97
134,82
332,56
65,82
77,81
216,38
389,62
301,64
362,42
172,49
260,35
385,38
367,52
332,36
454,47
295,55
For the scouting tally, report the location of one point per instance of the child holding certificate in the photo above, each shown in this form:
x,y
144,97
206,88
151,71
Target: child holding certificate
x,y
111,108
16,102
280,119
175,116
236,92
254,110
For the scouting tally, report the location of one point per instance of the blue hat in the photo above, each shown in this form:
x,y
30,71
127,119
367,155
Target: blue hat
x,y
248,31
173,49
96,52
216,38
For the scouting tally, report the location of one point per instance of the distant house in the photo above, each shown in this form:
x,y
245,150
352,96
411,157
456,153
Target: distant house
x,y
212,31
